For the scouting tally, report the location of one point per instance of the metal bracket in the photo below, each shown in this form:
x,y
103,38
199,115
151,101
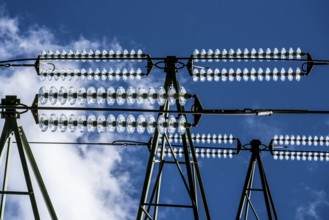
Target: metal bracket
x,y
150,65
189,66
197,107
34,109
239,146
170,64
270,146
310,64
255,146
12,101
149,143
37,65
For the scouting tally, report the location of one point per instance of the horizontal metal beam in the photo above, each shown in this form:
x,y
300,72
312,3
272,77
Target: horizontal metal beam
x,y
169,205
15,192
246,111
89,143
255,190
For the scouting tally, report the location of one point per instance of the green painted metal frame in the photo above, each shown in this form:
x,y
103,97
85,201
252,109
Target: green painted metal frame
x,y
10,131
192,179
248,186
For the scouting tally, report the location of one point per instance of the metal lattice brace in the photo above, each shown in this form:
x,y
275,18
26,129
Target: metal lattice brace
x,y
10,131
248,186
150,198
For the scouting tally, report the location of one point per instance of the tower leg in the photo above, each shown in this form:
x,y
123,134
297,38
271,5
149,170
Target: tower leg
x,y
148,176
37,175
246,187
191,179
25,169
4,136
150,165
5,178
11,130
267,193
246,192
158,187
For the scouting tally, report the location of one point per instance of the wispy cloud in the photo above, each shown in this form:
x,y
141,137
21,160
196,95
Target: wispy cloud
x,y
313,208
81,186
257,128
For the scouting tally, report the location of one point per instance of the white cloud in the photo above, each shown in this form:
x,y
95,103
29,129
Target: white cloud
x,y
8,27
79,180
312,209
255,127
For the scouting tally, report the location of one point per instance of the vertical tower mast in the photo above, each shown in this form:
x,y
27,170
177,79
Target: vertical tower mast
x,y
149,203
248,186
12,130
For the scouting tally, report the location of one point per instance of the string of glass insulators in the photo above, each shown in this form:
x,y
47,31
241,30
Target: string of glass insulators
x,y
204,138
246,74
83,55
246,55
199,152
303,156
111,124
92,74
111,96
301,140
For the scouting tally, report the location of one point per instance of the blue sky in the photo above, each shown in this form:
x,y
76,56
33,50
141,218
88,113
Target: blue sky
x,y
300,189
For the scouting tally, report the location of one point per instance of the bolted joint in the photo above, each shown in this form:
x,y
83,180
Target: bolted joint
x,y
255,146
171,64
8,106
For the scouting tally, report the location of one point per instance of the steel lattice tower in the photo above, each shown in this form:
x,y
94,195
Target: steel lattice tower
x,y
193,180
11,130
245,202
